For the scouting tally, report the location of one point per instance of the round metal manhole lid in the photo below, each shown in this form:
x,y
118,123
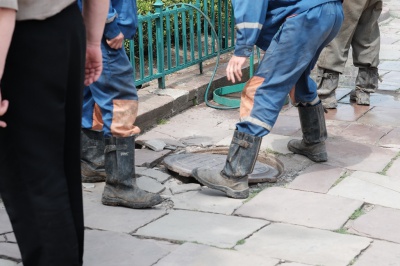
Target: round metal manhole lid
x,y
183,164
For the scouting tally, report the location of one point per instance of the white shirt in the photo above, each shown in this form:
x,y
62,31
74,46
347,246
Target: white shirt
x,y
36,9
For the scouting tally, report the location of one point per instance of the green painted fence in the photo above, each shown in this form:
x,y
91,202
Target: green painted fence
x,y
179,36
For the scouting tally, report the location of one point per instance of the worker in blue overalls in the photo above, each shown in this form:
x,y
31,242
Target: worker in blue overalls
x,y
293,33
110,107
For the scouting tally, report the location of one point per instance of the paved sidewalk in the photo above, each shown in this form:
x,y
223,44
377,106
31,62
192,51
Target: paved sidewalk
x,y
342,212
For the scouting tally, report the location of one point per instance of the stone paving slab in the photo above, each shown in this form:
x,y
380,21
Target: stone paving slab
x,y
384,100
368,134
342,93
206,200
392,76
355,156
156,174
11,238
104,248
381,223
10,251
185,188
390,65
205,228
286,125
300,208
275,143
347,112
394,169
293,264
386,86
7,263
389,54
317,178
149,184
381,116
304,245
370,187
335,128
5,224
204,122
149,158
392,139
111,218
194,254
380,253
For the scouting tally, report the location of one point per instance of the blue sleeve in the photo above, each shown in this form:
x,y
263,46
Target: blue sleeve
x,y
249,19
111,29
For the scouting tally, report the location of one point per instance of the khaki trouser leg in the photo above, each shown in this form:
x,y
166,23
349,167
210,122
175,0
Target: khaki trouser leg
x,y
355,23
366,40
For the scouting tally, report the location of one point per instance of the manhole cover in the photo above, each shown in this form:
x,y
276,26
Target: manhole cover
x,y
183,164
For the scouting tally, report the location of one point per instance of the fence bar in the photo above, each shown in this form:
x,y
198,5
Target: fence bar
x,y
167,30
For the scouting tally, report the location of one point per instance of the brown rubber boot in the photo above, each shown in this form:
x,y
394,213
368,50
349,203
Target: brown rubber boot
x,y
366,83
312,145
233,179
121,188
327,82
92,156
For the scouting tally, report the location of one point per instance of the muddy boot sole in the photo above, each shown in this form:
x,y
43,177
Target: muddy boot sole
x,y
114,197
316,157
236,194
360,97
330,101
91,175
121,202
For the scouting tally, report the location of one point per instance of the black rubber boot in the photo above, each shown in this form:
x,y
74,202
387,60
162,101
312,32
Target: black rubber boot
x,y
233,179
327,82
121,188
312,145
366,83
92,156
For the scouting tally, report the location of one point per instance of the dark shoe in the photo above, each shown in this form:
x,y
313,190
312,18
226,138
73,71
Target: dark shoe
x,y
327,82
366,83
360,97
121,188
313,126
233,179
315,152
133,197
237,188
329,101
92,156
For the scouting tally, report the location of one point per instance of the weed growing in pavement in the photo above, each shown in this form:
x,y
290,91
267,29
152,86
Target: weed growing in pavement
x,y
240,242
162,121
253,193
389,164
345,174
341,231
357,213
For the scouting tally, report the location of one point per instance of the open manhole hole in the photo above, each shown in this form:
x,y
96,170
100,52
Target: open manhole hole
x,y
267,168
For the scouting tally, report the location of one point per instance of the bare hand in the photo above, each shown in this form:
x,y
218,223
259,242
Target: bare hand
x,y
94,64
234,68
3,110
117,42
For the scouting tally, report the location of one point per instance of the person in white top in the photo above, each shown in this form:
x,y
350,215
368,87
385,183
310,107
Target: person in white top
x,y
42,71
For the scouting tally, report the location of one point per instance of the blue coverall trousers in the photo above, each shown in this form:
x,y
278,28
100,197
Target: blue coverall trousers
x,y
287,63
111,103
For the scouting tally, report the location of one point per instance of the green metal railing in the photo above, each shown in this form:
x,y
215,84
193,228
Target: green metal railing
x,y
179,36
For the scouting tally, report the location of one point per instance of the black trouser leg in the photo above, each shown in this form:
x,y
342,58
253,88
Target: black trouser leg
x,y
40,149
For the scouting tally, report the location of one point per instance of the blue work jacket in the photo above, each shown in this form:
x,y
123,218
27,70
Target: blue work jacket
x,y
257,21
122,17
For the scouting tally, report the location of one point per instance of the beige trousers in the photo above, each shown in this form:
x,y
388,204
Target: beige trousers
x,y
359,30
